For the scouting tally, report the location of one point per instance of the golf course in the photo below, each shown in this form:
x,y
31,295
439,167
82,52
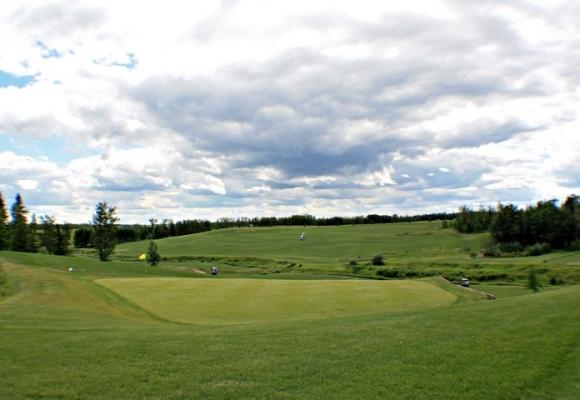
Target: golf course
x,y
290,319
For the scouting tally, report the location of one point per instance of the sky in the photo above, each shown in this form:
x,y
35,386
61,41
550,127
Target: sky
x,y
237,108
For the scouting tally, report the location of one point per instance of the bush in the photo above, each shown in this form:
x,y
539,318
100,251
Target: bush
x,y
511,247
353,263
491,250
556,280
538,249
378,260
575,245
533,281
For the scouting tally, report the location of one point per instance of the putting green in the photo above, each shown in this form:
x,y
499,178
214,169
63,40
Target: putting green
x,y
233,301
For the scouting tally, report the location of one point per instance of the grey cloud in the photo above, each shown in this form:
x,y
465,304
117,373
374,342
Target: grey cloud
x,y
59,18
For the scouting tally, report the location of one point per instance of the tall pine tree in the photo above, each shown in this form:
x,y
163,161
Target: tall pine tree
x,y
104,229
19,225
48,233
33,240
4,234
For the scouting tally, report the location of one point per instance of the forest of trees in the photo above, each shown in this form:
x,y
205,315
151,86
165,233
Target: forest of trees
x,y
534,229
19,233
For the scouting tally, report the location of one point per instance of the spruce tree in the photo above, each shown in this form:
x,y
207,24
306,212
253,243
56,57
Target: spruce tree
x,y
4,233
33,240
19,225
153,256
63,236
104,230
48,241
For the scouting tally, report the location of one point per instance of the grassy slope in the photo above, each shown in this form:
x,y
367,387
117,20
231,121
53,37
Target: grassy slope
x,y
409,247
323,245
63,336
230,301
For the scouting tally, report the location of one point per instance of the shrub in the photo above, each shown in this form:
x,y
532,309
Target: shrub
x,y
491,250
511,247
378,260
390,273
538,249
556,280
575,245
353,263
533,282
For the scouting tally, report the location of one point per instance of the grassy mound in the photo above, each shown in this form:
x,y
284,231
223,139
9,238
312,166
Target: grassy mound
x,y
227,301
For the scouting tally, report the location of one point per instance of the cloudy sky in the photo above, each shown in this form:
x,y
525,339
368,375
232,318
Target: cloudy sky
x,y
175,109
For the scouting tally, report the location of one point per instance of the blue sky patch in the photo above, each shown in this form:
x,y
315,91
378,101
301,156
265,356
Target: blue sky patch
x,y
7,79
52,148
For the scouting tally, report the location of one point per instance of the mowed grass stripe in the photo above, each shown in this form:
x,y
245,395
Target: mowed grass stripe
x,y
234,301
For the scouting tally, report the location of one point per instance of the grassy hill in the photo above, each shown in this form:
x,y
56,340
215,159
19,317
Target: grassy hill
x,y
65,336
408,249
287,319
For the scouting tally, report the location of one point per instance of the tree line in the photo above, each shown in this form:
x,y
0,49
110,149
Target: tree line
x,y
84,234
538,227
20,233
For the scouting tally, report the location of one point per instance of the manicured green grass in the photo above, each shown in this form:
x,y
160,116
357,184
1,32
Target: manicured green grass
x,y
227,301
63,336
122,330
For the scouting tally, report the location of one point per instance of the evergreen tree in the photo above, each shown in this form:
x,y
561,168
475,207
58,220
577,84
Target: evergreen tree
x,y
48,240
104,229
82,237
4,233
33,240
19,225
59,247
63,237
153,256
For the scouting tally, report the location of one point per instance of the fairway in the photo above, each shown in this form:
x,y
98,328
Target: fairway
x,y
233,301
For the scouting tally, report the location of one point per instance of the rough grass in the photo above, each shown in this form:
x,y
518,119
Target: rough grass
x,y
409,250
65,337
230,301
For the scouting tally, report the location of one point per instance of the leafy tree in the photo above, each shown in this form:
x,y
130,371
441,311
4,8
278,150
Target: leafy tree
x,y
507,224
104,229
153,256
19,225
470,221
548,223
572,206
4,233
33,240
48,239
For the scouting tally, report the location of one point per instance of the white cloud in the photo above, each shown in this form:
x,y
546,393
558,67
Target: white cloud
x,y
27,184
229,108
